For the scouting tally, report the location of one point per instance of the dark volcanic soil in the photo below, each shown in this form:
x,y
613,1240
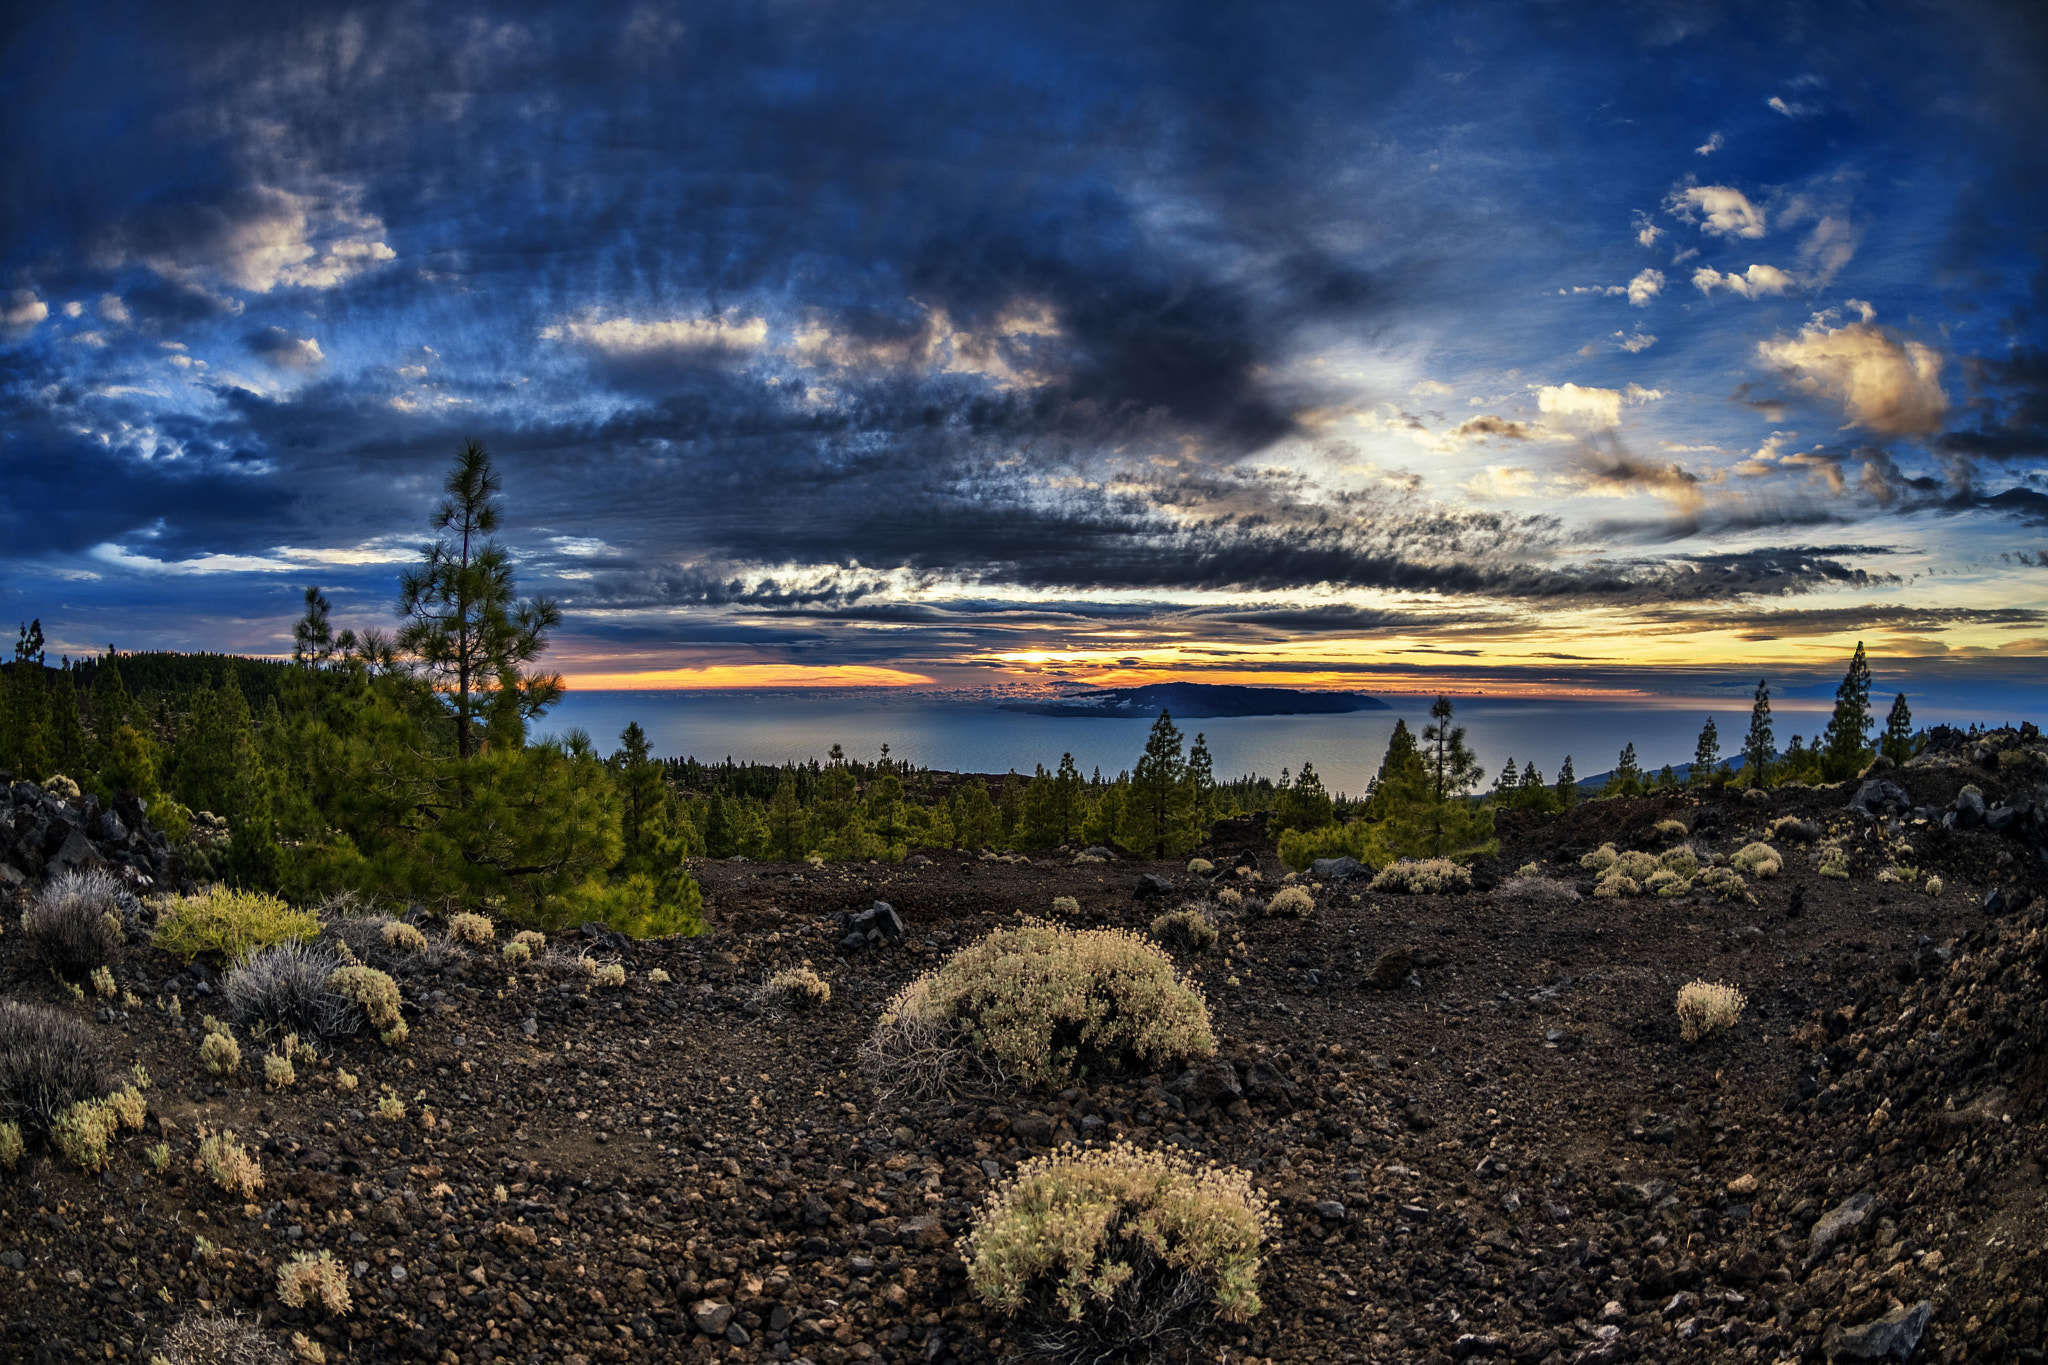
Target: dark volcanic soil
x,y
1507,1155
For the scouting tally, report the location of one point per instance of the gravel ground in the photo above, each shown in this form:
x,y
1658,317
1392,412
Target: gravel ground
x,y
1475,1115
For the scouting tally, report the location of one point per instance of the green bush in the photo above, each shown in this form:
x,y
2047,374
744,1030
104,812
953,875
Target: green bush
x,y
1106,1254
1042,1004
1186,928
636,906
1427,877
231,923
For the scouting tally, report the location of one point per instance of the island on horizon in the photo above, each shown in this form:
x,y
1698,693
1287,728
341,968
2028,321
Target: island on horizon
x,y
1200,701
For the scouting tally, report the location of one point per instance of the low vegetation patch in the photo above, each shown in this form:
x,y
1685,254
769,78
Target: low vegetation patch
x,y
230,1165
1186,928
800,988
475,930
377,996
1759,859
1427,877
1705,1007
309,1278
1041,1005
1065,905
1107,1254
49,1061
1294,902
220,1341
75,922
230,923
286,986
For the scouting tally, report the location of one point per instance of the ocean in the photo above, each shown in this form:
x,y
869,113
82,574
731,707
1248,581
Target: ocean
x,y
975,736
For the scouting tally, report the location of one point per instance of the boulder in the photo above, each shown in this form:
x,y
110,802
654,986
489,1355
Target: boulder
x,y
1880,796
1216,1082
711,1317
1969,808
1893,1336
1152,884
1837,1223
1342,869
878,924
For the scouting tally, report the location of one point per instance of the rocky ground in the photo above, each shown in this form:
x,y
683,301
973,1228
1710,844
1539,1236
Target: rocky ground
x,y
1475,1114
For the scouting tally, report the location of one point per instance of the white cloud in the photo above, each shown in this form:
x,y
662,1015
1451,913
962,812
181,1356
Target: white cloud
x,y
1641,341
584,547
1636,393
1883,382
278,348
1429,388
1647,232
280,559
1718,209
1789,108
1500,483
74,309
89,339
626,336
1830,246
1645,286
257,240
1755,283
1710,146
112,309
22,310
1586,406
1002,352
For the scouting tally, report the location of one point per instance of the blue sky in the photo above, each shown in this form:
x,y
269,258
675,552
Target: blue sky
x,y
1539,346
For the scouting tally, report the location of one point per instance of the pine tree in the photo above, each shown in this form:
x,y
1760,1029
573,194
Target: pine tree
x,y
1453,769
1846,752
1201,787
28,645
1706,756
1627,778
1400,756
786,823
1069,800
1567,785
721,838
1531,793
1305,805
1897,744
1509,780
975,821
466,632
1156,815
640,795
1758,744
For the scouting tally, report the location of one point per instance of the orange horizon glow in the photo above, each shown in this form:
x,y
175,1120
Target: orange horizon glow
x,y
719,677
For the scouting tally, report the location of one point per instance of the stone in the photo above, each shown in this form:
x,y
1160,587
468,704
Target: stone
x,y
75,852
604,937
1032,1129
1994,901
1152,884
1342,869
1969,808
711,1316
1108,855
927,1232
1895,1335
1393,968
1878,795
1839,1221
1330,1210
1216,1082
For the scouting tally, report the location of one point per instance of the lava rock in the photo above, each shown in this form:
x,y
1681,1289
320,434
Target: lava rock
x,y
1393,968
711,1317
1878,796
1152,884
1342,869
1896,1334
1838,1222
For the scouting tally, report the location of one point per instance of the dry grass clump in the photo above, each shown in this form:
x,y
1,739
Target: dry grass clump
x,y
402,937
517,954
231,923
1065,905
1682,860
376,994
1704,1006
1934,886
1672,829
799,988
1042,1003
1834,861
308,1278
84,1134
1600,859
11,1145
1201,867
220,1054
1615,886
1665,882
220,1341
278,1072
612,974
1759,859
1291,902
231,1165
1187,928
74,922
1105,1254
1724,882
1230,898
1427,877
1532,886
473,929
285,986
49,1061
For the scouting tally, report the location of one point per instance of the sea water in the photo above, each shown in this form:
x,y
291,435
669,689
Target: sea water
x,y
958,735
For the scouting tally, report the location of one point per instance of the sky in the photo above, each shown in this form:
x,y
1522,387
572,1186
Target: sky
x,y
1517,347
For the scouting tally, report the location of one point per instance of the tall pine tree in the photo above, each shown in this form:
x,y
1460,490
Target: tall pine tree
x,y
1897,744
1758,744
1706,756
1157,813
1846,752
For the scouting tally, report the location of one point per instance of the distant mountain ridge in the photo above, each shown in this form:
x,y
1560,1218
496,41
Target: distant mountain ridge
x,y
1199,701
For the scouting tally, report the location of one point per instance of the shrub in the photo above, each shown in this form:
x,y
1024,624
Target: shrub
x,y
1186,928
74,923
534,939
285,986
220,1054
1635,864
344,1081
517,954
308,1278
611,974
278,1072
1681,860
1600,859
374,991
1104,1254
657,977
1429,877
1834,862
1230,898
1665,882
389,1106
231,923
49,1061
11,1144
103,983
1759,859
231,1165
1046,1004
403,937
1065,905
1615,887
1529,885
1291,902
1725,882
475,930
800,988
129,1106
1934,886
1794,828
1672,829
1704,1006
220,1341
159,1154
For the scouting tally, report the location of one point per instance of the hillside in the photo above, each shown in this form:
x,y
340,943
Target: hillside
x,y
1482,1131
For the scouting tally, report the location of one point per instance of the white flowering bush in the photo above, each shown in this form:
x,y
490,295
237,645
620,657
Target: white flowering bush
x,y
1705,1007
